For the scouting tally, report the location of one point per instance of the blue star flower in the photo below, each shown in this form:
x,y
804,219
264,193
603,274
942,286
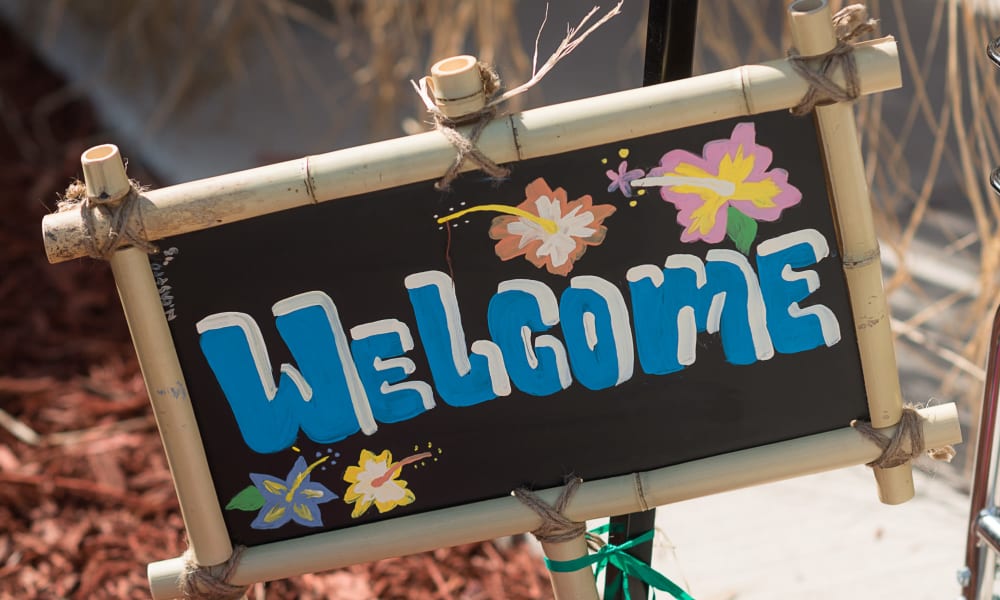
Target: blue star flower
x,y
294,498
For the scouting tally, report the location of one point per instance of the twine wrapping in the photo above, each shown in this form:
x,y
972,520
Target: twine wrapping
x,y
465,147
212,582
905,445
849,23
555,527
124,228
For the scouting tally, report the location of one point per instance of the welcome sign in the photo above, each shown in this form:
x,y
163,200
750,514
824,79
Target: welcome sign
x,y
603,311
676,292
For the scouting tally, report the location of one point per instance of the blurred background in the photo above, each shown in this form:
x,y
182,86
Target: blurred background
x,y
192,88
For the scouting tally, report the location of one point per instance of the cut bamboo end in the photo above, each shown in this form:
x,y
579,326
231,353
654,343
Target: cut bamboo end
x,y
104,172
895,484
812,32
457,86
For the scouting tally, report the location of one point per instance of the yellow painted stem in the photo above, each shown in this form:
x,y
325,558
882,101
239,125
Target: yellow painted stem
x,y
547,224
302,477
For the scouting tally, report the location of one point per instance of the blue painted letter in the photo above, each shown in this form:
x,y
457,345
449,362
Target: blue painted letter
x,y
460,379
326,399
595,324
793,328
671,306
520,307
374,346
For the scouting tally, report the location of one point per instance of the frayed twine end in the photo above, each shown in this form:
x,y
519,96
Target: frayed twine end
x,y
124,228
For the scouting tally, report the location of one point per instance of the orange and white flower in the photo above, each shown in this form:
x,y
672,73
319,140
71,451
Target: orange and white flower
x,y
549,230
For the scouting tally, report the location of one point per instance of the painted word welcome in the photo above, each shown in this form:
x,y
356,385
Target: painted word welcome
x,y
342,385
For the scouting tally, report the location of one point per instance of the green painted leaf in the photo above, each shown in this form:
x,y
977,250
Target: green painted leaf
x,y
741,229
249,498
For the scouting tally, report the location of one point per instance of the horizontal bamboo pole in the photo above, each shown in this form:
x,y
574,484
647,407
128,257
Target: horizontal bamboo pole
x,y
508,516
746,90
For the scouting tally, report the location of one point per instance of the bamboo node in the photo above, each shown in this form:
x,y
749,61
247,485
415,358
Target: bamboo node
x,y
849,23
905,445
555,527
211,582
120,213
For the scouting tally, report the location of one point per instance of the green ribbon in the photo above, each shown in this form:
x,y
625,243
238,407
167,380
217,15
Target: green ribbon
x,y
618,557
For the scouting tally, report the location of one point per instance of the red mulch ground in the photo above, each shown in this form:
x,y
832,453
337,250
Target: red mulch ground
x,y
85,497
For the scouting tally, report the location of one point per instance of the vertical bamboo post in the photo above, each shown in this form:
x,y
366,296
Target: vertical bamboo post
x,y
104,175
575,585
812,35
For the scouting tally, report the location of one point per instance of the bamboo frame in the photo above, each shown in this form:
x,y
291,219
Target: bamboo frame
x,y
104,175
506,516
216,201
206,203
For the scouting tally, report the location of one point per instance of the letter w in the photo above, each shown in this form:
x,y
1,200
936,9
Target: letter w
x,y
324,397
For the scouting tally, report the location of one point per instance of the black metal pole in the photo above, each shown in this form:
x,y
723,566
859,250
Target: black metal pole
x,y
670,37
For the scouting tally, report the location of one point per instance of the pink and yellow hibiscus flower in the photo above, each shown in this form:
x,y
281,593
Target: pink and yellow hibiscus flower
x,y
731,173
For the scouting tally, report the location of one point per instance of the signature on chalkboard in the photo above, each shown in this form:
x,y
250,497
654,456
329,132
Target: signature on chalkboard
x,y
159,268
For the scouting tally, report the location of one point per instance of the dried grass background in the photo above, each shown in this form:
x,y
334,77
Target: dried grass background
x,y
928,152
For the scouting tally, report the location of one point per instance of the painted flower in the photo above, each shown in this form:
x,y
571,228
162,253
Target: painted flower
x,y
294,498
620,179
375,479
716,192
549,230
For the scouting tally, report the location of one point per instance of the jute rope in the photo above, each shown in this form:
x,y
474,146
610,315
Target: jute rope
x,y
211,583
555,527
465,147
849,23
124,228
905,445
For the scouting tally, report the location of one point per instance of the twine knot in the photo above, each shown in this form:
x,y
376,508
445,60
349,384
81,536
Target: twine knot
x,y
211,582
849,23
465,147
905,445
123,228
555,527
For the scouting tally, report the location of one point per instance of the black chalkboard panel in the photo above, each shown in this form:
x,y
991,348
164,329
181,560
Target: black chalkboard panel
x,y
607,310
